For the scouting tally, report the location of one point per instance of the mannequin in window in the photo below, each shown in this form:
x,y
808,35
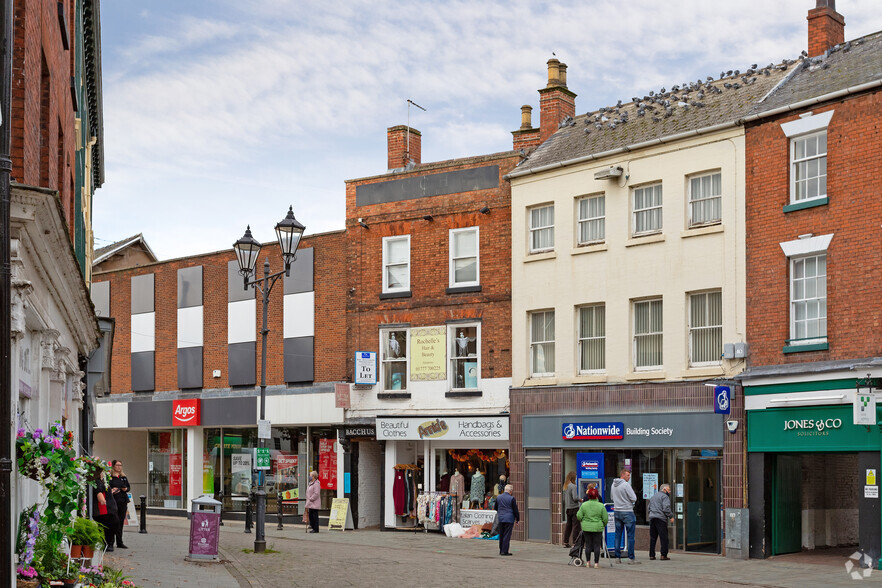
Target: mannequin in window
x,y
462,344
444,483
394,346
476,497
457,484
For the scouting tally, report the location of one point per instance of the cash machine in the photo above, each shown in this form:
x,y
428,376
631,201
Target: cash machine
x,y
590,472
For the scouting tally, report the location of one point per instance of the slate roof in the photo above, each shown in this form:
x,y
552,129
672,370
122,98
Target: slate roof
x,y
707,103
103,253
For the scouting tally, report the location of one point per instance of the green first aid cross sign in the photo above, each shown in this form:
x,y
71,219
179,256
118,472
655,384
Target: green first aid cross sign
x,y
262,459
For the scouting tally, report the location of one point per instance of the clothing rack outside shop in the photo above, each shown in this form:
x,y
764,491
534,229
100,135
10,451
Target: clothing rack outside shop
x,y
435,509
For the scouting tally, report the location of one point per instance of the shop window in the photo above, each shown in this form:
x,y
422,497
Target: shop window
x,y
705,328
592,338
542,344
396,264
464,257
394,364
705,199
541,228
592,219
647,210
648,341
166,467
465,359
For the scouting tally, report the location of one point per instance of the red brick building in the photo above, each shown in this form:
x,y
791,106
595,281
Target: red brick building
x,y
813,312
429,307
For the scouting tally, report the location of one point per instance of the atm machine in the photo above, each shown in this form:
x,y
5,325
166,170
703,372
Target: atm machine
x,y
590,471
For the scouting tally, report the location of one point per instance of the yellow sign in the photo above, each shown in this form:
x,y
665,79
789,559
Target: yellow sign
x,y
340,517
428,353
871,477
433,429
291,494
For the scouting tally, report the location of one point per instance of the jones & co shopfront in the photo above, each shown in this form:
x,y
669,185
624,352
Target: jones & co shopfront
x,y
684,450
454,460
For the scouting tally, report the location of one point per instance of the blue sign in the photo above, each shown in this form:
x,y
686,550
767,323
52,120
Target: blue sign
x,y
590,466
722,400
593,431
611,532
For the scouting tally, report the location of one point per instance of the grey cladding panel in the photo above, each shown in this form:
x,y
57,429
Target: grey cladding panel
x,y
235,291
454,182
300,279
150,414
228,411
142,294
142,371
190,287
189,367
242,363
101,298
299,359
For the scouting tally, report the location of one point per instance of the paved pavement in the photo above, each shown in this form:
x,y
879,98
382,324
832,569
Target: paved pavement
x,y
373,558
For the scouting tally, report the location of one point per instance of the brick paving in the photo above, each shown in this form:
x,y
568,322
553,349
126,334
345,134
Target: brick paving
x,y
372,558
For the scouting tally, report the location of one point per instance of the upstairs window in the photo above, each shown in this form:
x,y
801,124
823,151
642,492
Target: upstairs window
x,y
808,298
541,229
592,338
808,167
464,257
396,264
394,345
648,341
542,344
647,210
705,328
465,362
705,199
592,219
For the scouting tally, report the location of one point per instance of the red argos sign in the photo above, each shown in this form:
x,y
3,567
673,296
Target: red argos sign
x,y
185,412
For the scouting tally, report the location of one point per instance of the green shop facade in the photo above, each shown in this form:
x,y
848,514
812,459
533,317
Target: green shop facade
x,y
812,473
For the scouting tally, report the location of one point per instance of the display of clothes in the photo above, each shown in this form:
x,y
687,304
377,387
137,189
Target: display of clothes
x,y
444,483
478,487
434,509
398,492
404,490
457,490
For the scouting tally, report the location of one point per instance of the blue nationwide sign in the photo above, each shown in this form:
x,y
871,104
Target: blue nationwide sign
x,y
593,431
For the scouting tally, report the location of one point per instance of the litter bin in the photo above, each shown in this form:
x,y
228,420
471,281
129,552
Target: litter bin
x,y
205,514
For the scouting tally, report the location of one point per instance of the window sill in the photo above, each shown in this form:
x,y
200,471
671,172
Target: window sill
x,y
590,379
806,204
550,381
390,295
592,248
647,375
463,394
702,371
645,240
393,395
540,256
698,231
806,347
462,289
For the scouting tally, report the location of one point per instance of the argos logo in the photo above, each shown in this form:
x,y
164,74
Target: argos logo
x,y
185,412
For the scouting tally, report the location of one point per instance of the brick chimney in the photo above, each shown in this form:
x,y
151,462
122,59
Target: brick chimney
x,y
526,137
556,102
403,146
826,27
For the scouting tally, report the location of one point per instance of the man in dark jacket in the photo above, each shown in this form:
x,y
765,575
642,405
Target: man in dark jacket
x,y
508,514
659,515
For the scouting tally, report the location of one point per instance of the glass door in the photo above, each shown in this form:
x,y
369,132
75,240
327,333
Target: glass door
x,y
539,495
166,464
701,503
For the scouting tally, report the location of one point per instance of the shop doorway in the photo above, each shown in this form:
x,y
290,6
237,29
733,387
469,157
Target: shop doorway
x,y
539,495
701,481
786,507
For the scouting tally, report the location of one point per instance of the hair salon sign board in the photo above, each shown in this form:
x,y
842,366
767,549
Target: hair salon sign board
x,y
447,428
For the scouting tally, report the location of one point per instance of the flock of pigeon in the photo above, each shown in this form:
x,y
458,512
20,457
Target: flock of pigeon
x,y
662,104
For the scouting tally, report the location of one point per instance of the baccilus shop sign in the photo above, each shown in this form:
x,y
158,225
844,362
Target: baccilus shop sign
x,y
185,413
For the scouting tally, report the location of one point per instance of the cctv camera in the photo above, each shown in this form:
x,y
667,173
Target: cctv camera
x,y
732,426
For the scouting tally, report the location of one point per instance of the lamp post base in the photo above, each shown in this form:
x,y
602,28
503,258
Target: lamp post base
x,y
259,537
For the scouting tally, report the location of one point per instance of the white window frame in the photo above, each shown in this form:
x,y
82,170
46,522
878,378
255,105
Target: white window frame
x,y
794,162
453,258
822,336
693,330
535,343
703,198
635,335
581,338
383,361
580,220
635,211
533,230
452,332
386,263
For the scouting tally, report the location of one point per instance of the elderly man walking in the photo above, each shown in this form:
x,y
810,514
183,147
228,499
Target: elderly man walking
x,y
659,514
508,515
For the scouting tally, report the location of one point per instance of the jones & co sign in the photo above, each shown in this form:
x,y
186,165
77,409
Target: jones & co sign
x,y
809,427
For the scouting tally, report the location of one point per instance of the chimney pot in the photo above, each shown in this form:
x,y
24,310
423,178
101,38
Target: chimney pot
x,y
526,117
562,68
553,72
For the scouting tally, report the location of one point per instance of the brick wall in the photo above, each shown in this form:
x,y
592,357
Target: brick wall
x,y
854,148
43,119
329,283
618,399
429,303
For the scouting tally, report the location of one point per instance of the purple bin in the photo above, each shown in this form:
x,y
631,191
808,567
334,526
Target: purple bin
x,y
204,528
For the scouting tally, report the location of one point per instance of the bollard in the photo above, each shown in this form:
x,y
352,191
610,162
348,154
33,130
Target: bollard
x,y
248,521
221,498
279,506
143,514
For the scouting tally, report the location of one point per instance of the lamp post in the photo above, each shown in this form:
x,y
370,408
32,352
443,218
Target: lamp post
x,y
289,232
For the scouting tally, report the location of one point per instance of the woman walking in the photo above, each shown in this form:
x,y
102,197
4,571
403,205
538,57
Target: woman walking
x,y
571,506
313,501
119,488
593,517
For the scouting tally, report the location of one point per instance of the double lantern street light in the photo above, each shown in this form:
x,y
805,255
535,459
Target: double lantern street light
x,y
289,232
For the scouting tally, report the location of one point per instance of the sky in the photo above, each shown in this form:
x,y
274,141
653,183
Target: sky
x,y
222,113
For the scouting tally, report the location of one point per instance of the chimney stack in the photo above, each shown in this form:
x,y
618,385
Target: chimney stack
x,y
556,102
826,27
404,146
526,137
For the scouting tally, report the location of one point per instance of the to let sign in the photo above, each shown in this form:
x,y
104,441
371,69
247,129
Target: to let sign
x,y
365,367
185,413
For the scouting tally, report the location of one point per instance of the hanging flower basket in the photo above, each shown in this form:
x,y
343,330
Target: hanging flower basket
x,y
28,469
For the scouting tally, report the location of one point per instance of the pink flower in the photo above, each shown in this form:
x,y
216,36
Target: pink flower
x,y
57,443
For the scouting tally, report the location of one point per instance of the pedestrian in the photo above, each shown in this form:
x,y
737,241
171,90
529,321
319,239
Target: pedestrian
x,y
105,513
119,488
507,514
623,498
593,517
313,501
571,503
659,514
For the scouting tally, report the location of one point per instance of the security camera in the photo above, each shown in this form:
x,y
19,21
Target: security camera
x,y
732,426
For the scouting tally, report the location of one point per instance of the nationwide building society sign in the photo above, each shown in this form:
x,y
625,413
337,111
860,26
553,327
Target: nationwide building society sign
x,y
593,431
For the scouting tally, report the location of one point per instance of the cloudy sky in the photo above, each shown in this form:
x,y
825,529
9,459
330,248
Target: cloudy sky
x,y
221,113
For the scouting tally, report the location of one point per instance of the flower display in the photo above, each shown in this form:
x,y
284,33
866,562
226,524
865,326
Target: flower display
x,y
463,455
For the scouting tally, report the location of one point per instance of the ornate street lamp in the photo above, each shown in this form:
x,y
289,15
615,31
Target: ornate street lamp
x,y
289,233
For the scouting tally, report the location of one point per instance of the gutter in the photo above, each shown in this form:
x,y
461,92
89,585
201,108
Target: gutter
x,y
696,132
